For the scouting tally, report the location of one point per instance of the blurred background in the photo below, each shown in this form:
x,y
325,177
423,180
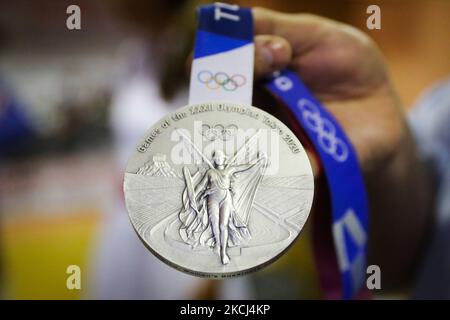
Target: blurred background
x,y
73,104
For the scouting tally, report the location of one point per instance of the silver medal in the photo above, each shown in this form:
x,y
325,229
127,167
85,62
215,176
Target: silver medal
x,y
218,189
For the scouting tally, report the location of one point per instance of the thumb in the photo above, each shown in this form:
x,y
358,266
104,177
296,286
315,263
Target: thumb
x,y
272,53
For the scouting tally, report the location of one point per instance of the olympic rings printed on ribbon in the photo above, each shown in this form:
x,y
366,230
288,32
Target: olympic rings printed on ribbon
x,y
218,131
221,80
325,130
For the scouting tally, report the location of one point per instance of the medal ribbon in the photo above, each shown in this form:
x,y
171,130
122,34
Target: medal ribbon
x,y
223,70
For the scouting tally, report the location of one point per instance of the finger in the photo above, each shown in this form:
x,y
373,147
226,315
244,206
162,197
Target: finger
x,y
302,31
272,53
313,160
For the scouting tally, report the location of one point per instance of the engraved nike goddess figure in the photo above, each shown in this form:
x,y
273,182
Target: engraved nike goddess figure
x,y
217,203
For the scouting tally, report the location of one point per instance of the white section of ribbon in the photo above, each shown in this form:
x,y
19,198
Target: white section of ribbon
x,y
220,77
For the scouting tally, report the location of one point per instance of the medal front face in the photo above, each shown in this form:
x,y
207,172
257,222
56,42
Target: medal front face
x,y
218,189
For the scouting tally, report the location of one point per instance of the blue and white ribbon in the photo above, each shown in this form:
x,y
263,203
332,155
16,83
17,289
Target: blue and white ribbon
x,y
345,182
223,71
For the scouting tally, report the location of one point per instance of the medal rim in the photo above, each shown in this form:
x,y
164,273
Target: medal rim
x,y
232,274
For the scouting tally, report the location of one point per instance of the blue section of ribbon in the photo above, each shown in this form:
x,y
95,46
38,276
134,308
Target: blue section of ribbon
x,y
219,19
348,196
207,43
341,167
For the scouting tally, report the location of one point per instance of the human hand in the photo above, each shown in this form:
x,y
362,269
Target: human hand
x,y
345,70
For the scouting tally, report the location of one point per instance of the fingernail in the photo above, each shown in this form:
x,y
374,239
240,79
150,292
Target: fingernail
x,y
276,45
267,55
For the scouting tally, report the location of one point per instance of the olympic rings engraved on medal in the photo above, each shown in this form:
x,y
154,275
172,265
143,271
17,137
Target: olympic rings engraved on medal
x,y
221,80
325,130
218,131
